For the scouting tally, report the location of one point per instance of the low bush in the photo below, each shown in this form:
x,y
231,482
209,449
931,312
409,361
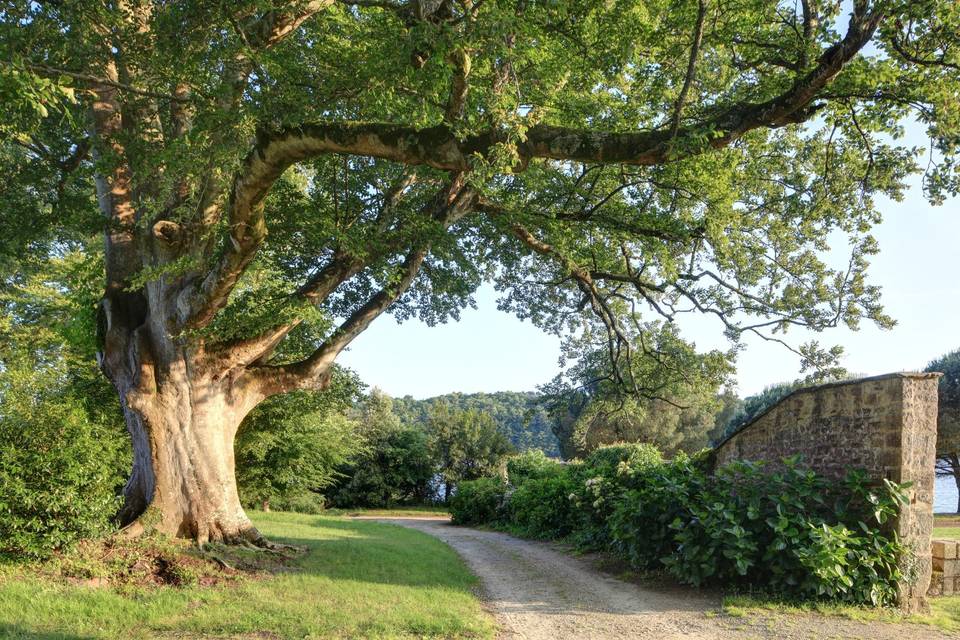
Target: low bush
x,y
478,501
610,461
533,464
543,508
787,531
641,523
791,531
60,467
602,479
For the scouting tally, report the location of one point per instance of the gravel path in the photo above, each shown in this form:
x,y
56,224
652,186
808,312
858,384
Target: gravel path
x,y
536,591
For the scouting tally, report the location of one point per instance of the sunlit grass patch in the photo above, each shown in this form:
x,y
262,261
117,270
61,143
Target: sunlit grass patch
x,y
358,579
945,612
397,512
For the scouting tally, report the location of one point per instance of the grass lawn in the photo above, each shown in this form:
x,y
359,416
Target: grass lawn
x,y
398,512
359,580
944,612
946,526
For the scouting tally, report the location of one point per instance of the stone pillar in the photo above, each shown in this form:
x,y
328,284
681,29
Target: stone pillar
x,y
918,450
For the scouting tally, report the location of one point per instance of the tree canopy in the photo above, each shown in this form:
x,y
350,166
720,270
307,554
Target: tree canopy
x,y
270,176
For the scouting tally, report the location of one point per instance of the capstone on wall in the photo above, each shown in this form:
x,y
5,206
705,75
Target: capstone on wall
x,y
885,425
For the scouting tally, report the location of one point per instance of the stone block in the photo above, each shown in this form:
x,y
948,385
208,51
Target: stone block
x,y
951,568
938,548
936,584
947,589
946,567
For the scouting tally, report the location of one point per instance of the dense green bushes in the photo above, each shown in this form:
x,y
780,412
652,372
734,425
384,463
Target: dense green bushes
x,y
789,531
60,465
478,501
530,465
541,507
395,468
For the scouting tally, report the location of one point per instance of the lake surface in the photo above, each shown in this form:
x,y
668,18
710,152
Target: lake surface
x,y
945,496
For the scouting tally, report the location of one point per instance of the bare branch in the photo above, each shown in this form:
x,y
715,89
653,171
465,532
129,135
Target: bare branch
x,y
691,67
98,81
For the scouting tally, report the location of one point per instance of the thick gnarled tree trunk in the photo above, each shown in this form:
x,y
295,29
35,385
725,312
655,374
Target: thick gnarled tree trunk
x,y
182,408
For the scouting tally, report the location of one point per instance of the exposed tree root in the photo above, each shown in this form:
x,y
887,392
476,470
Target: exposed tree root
x,y
255,541
246,537
223,564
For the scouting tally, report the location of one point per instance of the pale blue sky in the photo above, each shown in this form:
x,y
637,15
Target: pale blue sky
x,y
489,350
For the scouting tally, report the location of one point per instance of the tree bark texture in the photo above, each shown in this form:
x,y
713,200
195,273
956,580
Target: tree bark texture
x,y
182,408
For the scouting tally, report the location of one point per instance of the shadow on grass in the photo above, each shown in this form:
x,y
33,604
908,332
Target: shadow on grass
x,y
16,632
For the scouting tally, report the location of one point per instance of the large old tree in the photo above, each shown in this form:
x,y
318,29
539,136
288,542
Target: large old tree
x,y
269,177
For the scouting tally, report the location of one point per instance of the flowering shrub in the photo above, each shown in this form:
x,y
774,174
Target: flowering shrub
x,y
530,465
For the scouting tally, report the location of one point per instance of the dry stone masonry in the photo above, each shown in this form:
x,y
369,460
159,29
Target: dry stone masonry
x,y
885,425
946,568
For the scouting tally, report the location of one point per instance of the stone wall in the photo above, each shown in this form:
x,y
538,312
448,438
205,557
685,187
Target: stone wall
x,y
885,425
946,568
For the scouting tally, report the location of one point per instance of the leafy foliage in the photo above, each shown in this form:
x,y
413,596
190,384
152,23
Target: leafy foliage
x,y
290,448
395,466
465,445
798,532
541,507
788,531
63,449
531,465
672,405
723,185
478,501
948,436
59,466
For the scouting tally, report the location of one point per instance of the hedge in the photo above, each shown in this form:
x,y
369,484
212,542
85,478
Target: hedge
x,y
789,531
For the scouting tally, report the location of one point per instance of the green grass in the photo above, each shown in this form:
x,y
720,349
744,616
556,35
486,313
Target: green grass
x,y
952,533
398,512
944,612
359,580
946,526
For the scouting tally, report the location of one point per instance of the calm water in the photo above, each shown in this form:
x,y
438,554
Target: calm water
x,y
945,496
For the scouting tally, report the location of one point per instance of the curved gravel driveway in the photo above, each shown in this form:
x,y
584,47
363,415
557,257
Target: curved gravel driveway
x,y
536,591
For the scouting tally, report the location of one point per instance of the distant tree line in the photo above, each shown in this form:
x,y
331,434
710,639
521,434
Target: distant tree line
x,y
519,416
